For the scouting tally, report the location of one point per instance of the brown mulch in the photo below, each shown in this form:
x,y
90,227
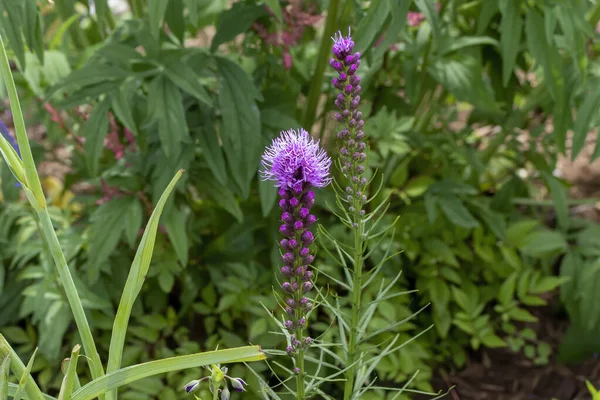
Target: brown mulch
x,y
500,374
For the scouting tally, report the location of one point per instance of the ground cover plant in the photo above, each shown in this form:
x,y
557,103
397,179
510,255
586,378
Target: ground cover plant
x,y
467,107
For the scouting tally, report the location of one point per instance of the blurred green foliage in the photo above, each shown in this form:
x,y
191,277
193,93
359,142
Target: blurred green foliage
x,y
135,97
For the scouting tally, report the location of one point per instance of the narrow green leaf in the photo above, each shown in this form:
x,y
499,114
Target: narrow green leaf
x,y
33,28
4,372
122,106
11,24
188,80
559,197
133,221
238,19
585,114
25,377
66,389
488,10
134,373
156,12
371,24
175,225
241,131
95,131
18,368
395,27
427,7
174,17
511,29
276,8
133,285
492,341
507,290
102,11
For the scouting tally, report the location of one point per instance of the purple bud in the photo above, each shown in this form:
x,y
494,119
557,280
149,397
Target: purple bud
x,y
283,204
295,286
354,225
289,311
357,90
296,343
348,189
307,276
291,302
349,60
287,217
192,386
355,80
335,82
360,135
238,384
298,225
286,271
308,199
307,341
306,287
302,322
356,155
353,105
285,230
283,193
362,145
297,370
343,134
343,77
300,271
351,209
360,124
362,212
304,252
358,115
304,301
360,169
288,257
290,350
363,181
352,69
311,219
351,143
293,243
294,202
303,213
338,117
285,244
340,104
297,188
337,65
357,55
349,198
344,151
363,156
348,89
363,198
289,325
307,238
309,260
287,287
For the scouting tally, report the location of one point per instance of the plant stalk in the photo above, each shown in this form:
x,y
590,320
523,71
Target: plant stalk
x,y
314,92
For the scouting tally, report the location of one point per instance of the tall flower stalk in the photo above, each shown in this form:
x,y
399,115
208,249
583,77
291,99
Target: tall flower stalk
x,y
296,164
352,152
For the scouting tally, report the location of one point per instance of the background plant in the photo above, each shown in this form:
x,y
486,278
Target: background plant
x,y
519,75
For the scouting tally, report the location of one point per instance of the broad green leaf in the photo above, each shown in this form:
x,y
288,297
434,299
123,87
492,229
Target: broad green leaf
x,y
511,29
268,195
522,315
156,13
107,224
427,7
133,221
23,381
547,284
543,242
456,212
492,341
431,206
585,114
212,152
134,373
370,25
56,67
518,231
238,19
559,197
188,80
241,131
122,106
175,225
507,290
4,373
165,103
95,131
223,197
133,285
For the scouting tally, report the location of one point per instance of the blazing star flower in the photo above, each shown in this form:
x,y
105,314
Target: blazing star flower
x,y
351,136
294,159
296,164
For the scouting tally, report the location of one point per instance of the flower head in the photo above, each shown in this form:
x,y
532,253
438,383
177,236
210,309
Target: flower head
x,y
295,161
342,46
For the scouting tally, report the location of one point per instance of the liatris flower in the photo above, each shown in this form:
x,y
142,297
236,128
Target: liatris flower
x,y
352,136
297,164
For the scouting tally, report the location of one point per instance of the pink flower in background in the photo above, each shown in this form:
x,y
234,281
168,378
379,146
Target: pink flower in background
x,y
295,20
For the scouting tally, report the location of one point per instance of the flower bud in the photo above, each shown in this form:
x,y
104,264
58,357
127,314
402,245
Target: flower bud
x,y
284,244
298,225
343,77
290,350
307,238
300,271
293,243
238,384
306,287
355,80
359,135
296,371
286,271
308,199
302,322
295,286
352,69
289,311
296,343
307,341
192,386
288,257
304,252
287,217
294,202
309,260
290,302
285,229
303,213
283,193
289,325
287,287
307,276
311,219
283,204
348,89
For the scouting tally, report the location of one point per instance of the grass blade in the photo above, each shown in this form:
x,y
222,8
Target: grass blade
x,y
18,368
4,371
134,373
25,377
66,388
135,280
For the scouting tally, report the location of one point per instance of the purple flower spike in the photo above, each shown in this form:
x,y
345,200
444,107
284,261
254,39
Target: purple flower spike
x,y
294,158
342,46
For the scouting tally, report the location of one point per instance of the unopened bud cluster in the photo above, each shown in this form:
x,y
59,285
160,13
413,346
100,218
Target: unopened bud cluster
x,y
351,137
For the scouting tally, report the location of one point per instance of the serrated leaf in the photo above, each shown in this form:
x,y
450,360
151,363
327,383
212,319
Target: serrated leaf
x,y
166,105
95,131
238,19
511,29
456,212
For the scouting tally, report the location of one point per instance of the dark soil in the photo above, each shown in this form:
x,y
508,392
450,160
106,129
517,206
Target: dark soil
x,y
501,374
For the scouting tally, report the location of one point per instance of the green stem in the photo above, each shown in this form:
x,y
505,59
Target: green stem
x,y
71,291
18,368
314,92
300,388
356,302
